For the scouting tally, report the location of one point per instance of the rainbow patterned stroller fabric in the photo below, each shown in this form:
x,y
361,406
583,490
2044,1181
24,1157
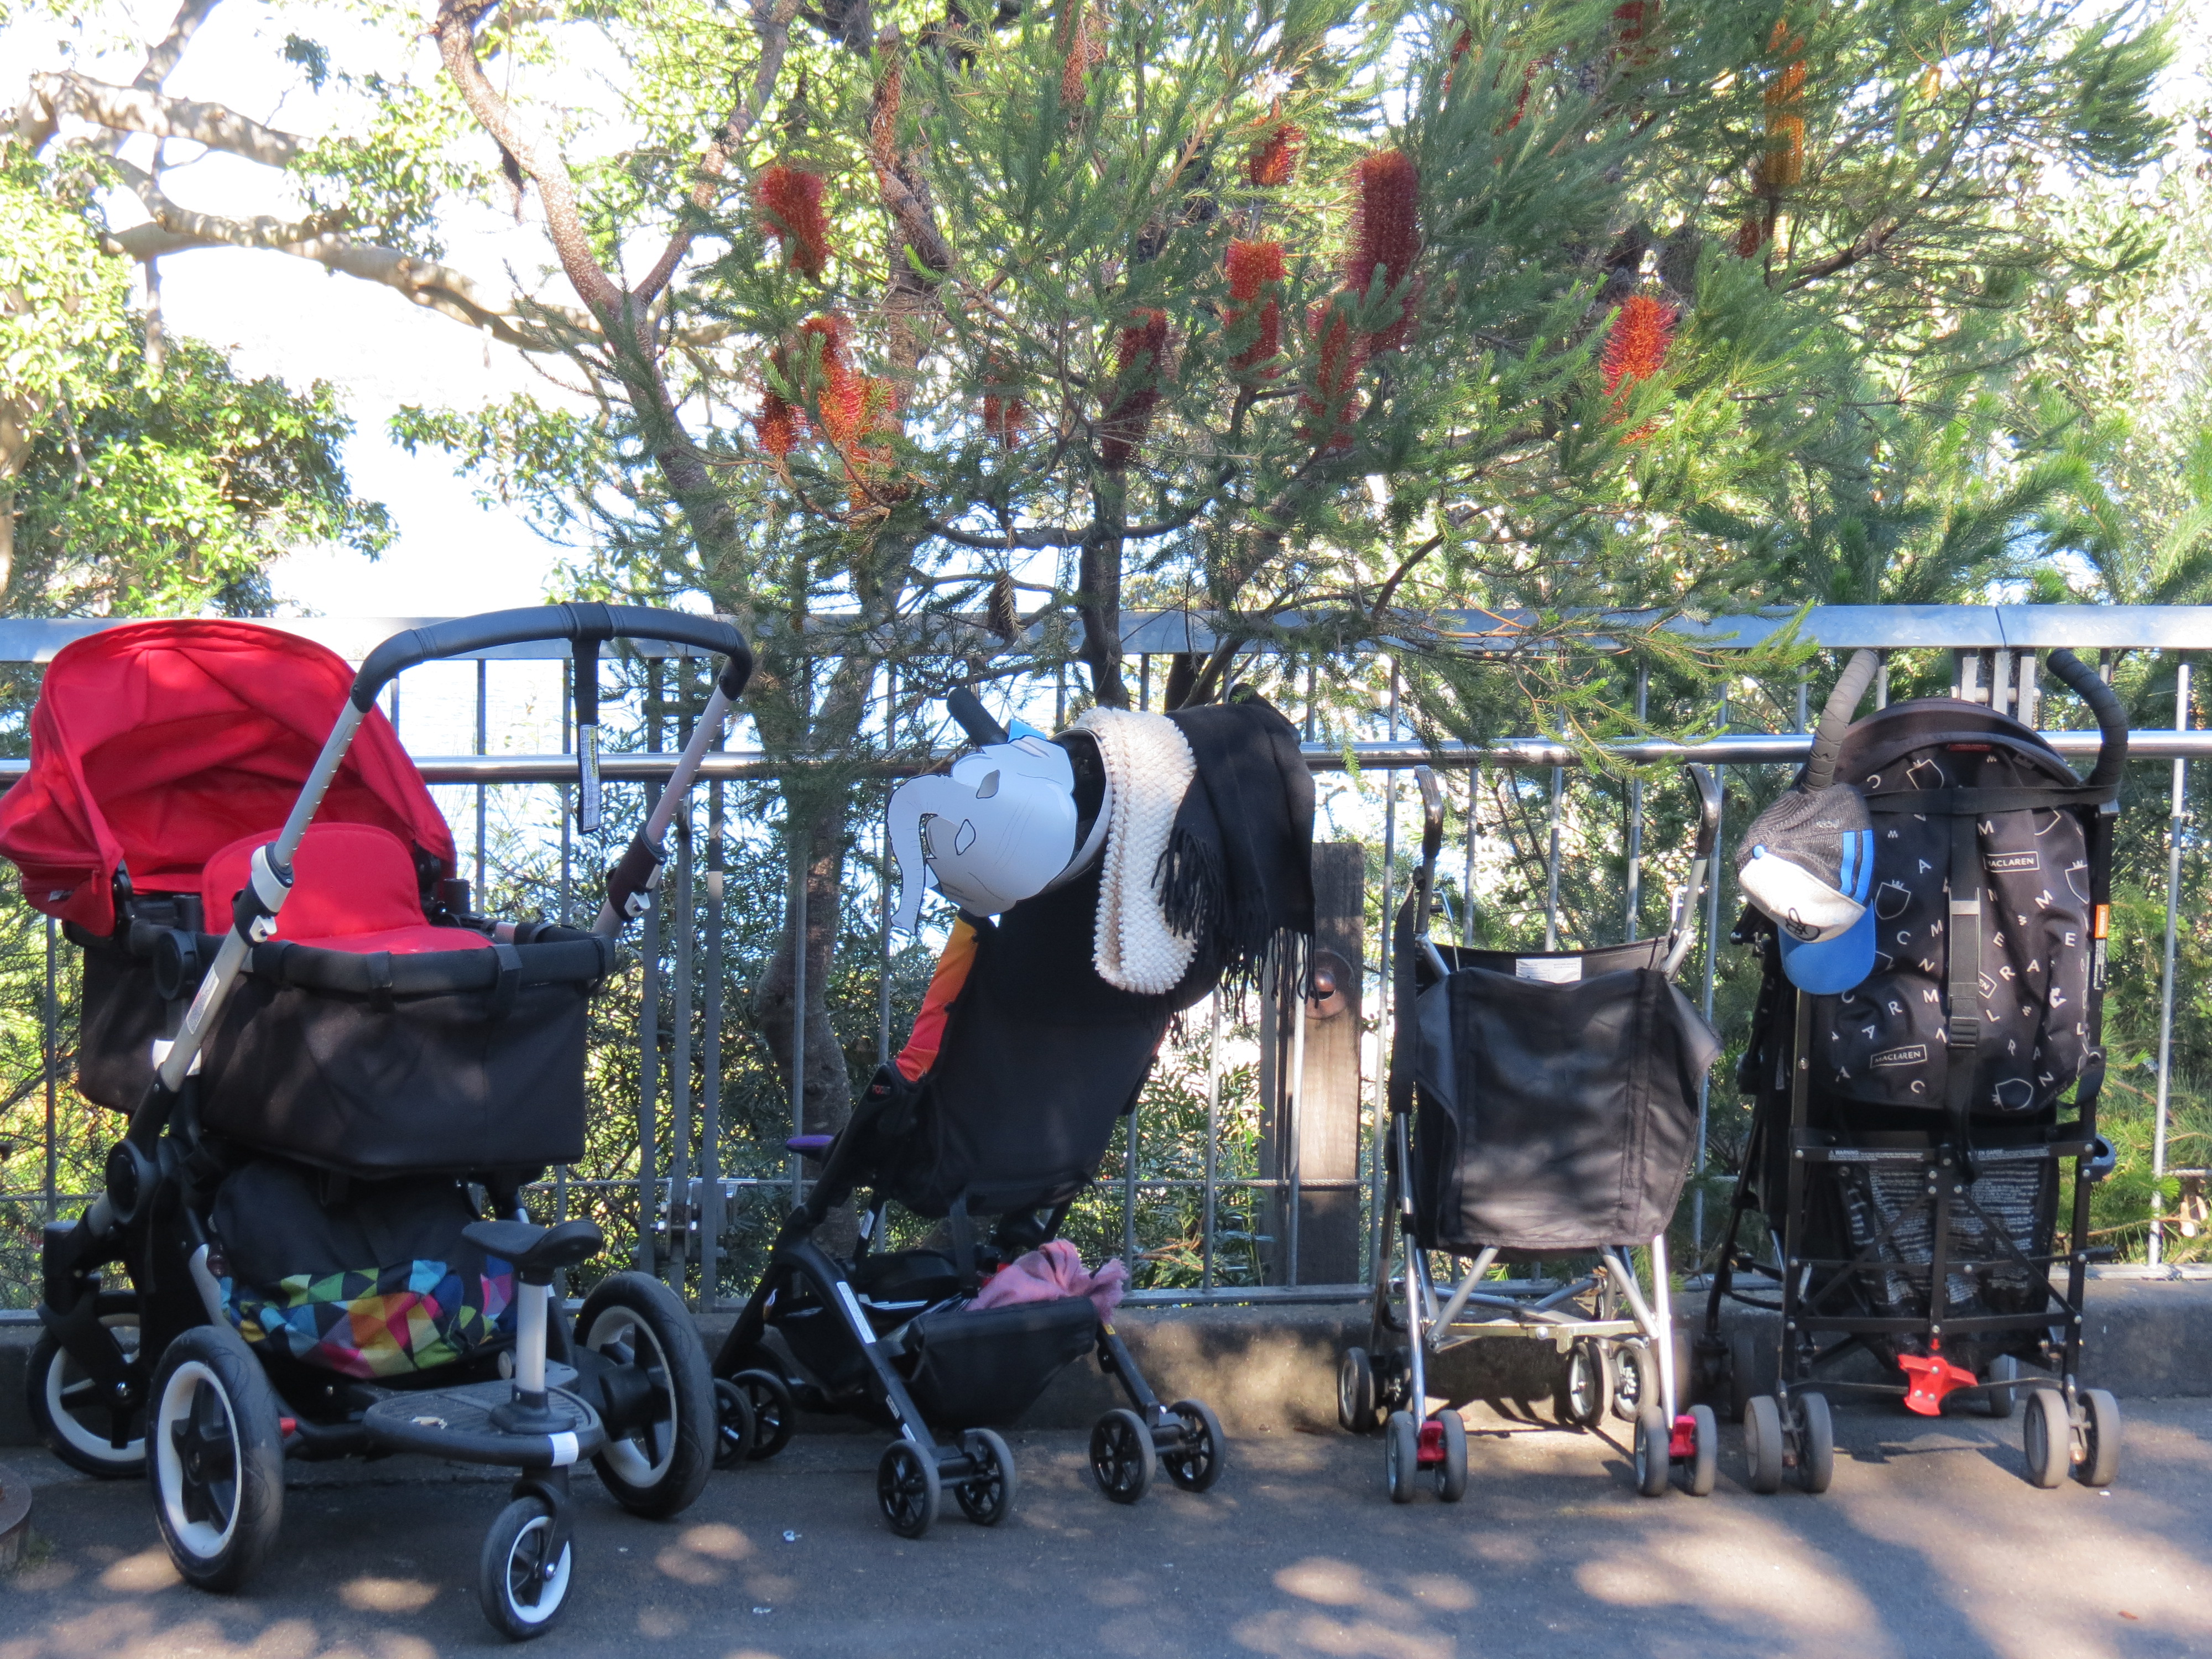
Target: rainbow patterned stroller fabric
x,y
387,1322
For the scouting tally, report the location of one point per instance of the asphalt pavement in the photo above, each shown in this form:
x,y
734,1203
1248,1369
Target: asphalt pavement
x,y
1930,1544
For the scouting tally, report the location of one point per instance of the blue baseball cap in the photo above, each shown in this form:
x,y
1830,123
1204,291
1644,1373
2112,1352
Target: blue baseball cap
x,y
1830,967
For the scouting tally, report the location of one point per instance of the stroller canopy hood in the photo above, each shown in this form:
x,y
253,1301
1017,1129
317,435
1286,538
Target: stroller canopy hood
x,y
155,744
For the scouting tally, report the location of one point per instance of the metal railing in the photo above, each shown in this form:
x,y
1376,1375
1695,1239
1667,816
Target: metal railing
x,y
684,1200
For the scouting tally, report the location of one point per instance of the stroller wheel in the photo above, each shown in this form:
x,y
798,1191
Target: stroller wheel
x,y
2101,1439
1816,1442
1355,1392
1742,1371
69,1409
734,1427
1654,1468
662,1439
1121,1455
907,1489
520,1591
1705,1457
1635,1380
1999,1403
1451,1473
1762,1442
1402,1456
1586,1391
217,1462
988,1498
1196,1464
2047,1437
775,1412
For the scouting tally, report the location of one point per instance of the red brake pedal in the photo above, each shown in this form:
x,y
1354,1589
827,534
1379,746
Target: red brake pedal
x,y
1683,1442
1432,1443
1932,1376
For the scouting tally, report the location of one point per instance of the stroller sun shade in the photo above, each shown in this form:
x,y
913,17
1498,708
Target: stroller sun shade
x,y
155,745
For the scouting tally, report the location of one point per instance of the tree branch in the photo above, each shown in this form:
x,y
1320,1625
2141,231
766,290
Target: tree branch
x,y
772,22
1869,242
143,109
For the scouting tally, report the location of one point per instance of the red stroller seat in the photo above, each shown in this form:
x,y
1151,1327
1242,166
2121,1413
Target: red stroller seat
x,y
354,888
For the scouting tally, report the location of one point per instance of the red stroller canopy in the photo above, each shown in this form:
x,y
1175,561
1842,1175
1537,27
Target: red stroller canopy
x,y
155,745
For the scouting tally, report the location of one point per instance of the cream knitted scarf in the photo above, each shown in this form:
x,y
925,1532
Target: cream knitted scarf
x,y
1149,768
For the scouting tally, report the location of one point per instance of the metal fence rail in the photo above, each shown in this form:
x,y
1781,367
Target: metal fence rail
x,y
691,1212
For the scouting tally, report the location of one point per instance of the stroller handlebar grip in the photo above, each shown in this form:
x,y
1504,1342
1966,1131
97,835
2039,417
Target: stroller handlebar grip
x,y
1835,717
967,709
463,634
1432,814
1707,783
2112,719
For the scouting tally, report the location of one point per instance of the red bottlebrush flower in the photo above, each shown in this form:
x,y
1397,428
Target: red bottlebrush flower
x,y
1386,237
1273,161
777,428
1086,45
1750,237
1637,344
1139,359
1783,164
1521,101
1253,268
882,117
790,210
1004,418
1329,402
1629,17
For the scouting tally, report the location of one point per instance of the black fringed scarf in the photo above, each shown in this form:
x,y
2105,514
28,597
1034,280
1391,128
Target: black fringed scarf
x,y
1238,868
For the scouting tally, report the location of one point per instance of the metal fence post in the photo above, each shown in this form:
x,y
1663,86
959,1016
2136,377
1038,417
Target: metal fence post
x,y
1212,1141
49,1059
484,700
710,1117
1713,876
679,1055
1636,816
1386,939
1552,864
2178,817
649,1024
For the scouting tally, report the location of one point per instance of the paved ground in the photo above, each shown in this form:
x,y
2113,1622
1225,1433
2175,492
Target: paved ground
x,y
1930,1544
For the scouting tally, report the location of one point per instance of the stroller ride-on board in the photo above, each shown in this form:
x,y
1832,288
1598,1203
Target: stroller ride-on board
x,y
331,1068
1907,1132
1541,1104
1005,1114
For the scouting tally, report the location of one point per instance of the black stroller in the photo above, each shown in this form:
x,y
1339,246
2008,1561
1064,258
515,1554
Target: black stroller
x,y
1543,1104
1907,1134
333,1069
1039,1058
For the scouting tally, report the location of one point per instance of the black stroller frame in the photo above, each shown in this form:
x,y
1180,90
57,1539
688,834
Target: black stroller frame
x,y
897,1328
1618,1343
220,1419
1791,1429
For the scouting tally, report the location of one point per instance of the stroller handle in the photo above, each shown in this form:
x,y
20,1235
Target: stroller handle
x,y
1835,717
2112,719
583,622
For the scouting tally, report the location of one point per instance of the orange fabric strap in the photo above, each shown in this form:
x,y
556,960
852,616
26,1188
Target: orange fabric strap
x,y
929,1035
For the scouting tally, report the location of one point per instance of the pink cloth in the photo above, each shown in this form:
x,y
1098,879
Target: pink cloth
x,y
1054,1272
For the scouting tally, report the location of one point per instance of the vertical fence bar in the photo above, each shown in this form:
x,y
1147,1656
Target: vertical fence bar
x,y
1635,898
1552,864
48,1046
884,873
1706,1003
710,1104
680,1050
1212,1141
1129,1191
648,1025
2177,817
1297,1126
799,896
568,875
484,702
1385,934
1467,879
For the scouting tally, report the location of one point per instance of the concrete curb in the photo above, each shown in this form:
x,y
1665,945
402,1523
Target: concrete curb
x,y
14,1516
1273,1369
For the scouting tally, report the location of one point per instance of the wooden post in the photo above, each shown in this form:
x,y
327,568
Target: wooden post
x,y
1318,1138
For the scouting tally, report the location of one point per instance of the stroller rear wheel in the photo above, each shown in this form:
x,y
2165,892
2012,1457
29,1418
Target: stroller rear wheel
x,y
71,1410
1635,1380
734,1427
1451,1471
1586,1390
1705,1457
1121,1455
775,1414
1654,1439
217,1462
1998,1401
521,1584
907,1489
660,1438
988,1498
1762,1442
1402,1456
1816,1442
1196,1464
1355,1392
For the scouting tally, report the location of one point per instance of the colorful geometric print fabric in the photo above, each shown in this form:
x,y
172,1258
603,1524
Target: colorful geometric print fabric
x,y
1883,1042
413,1317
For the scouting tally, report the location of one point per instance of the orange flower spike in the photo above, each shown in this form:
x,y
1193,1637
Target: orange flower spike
x,y
1329,402
1086,50
1386,237
1636,346
1785,163
1139,359
1273,161
777,428
790,210
1254,267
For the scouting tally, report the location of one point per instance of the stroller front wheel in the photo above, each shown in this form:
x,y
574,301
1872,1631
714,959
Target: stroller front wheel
x,y
1654,1442
775,1414
986,1498
2046,1437
1355,1392
2101,1439
1762,1442
1196,1465
1121,1455
1586,1390
521,1584
216,1462
1451,1469
734,1427
72,1411
1816,1442
661,1436
1635,1380
907,1489
1402,1456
